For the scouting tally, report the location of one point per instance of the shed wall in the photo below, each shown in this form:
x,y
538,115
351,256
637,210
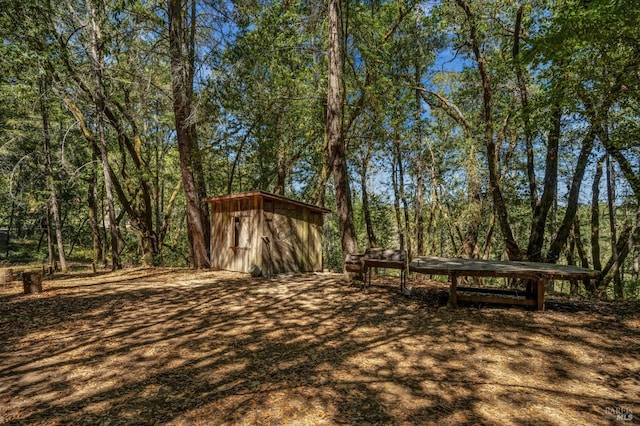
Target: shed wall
x,y
273,234
230,251
295,236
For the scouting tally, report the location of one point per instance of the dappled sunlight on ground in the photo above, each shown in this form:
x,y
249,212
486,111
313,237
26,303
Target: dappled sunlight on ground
x,y
182,347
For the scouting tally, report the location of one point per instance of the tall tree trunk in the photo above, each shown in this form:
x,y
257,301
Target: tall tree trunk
x,y
366,209
403,198
419,205
524,100
584,261
613,265
53,199
9,229
396,198
573,289
320,191
561,236
473,214
282,166
49,238
335,139
181,50
96,69
542,207
595,218
499,204
417,116
611,200
92,203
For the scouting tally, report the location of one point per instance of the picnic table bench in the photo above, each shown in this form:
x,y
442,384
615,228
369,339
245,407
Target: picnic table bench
x,y
538,273
378,258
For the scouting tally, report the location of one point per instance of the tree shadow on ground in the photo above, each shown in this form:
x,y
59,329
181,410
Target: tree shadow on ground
x,y
177,347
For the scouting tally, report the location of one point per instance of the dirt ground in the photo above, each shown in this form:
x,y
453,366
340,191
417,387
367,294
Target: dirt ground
x,y
167,346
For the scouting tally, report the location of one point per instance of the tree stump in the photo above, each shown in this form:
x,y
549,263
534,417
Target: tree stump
x,y
6,277
48,269
32,281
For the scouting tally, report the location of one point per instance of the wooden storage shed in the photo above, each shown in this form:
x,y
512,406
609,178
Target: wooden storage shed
x,y
275,233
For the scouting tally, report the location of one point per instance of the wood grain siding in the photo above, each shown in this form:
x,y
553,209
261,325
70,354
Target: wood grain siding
x,y
220,235
275,233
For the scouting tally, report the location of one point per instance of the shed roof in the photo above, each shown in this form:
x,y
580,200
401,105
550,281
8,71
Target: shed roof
x,y
268,196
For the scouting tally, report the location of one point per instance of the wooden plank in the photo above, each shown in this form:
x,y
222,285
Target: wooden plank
x,y
387,264
494,268
503,291
495,299
522,274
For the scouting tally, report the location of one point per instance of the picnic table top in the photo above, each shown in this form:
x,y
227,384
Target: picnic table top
x,y
498,268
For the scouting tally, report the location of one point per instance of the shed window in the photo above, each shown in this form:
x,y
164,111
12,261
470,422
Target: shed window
x,y
237,228
241,237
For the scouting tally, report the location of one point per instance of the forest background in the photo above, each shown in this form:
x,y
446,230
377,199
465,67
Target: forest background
x,y
472,128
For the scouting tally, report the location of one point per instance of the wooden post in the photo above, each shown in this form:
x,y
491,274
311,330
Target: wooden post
x,y
453,290
32,281
6,278
540,293
529,290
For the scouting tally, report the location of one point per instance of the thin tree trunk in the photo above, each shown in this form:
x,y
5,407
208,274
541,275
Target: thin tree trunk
x,y
238,153
403,198
97,66
181,52
111,210
162,233
53,200
420,208
542,207
397,179
499,204
320,191
396,198
282,168
335,139
49,239
77,235
92,203
584,261
487,245
158,186
612,266
562,234
611,200
366,209
417,116
573,290
524,100
595,218
13,211
469,242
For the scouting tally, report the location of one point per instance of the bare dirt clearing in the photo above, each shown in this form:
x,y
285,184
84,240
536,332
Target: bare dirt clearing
x,y
167,346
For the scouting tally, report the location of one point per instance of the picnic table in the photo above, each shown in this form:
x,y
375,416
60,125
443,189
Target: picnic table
x,y
378,258
537,273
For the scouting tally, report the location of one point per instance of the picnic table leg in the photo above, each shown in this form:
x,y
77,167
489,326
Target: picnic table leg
x,y
529,290
453,291
540,293
403,277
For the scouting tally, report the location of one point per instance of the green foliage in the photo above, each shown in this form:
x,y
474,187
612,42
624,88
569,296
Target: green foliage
x,y
260,115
